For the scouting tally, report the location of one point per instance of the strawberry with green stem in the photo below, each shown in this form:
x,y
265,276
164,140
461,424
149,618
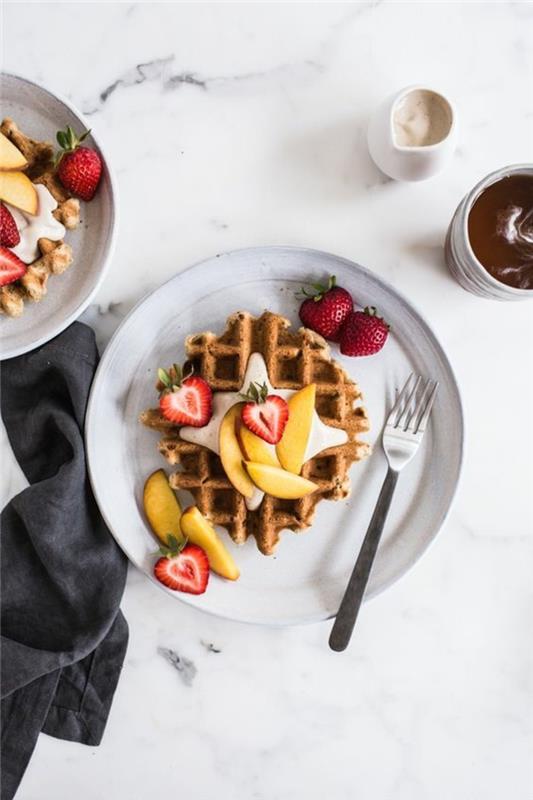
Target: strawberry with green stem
x,y
363,333
184,399
79,168
182,567
264,414
326,310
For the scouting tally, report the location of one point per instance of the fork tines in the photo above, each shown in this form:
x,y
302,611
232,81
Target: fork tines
x,y
413,407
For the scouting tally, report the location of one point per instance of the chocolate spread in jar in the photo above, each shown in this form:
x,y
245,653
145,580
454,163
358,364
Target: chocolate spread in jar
x,y
500,230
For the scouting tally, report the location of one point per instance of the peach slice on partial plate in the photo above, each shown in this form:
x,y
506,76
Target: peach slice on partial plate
x,y
199,530
278,482
161,507
10,156
291,448
17,190
231,454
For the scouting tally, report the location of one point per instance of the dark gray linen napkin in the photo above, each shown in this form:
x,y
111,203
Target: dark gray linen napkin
x,y
63,636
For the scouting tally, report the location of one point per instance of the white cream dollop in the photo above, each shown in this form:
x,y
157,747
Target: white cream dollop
x,y
42,225
321,436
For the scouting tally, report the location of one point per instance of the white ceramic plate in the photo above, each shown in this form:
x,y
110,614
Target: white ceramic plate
x,y
305,580
40,114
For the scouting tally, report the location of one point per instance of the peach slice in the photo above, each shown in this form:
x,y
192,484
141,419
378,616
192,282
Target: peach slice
x,y
254,448
199,530
231,454
17,190
161,507
291,448
278,482
10,156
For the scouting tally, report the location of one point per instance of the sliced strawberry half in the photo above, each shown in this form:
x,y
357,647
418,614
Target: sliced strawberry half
x,y
184,401
182,567
9,234
11,267
265,414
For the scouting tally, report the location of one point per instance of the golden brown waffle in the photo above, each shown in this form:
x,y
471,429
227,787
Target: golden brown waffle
x,y
294,359
55,257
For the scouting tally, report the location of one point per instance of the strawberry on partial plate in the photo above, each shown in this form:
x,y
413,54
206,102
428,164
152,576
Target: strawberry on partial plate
x,y
11,267
363,333
9,234
182,567
325,311
265,414
78,168
184,400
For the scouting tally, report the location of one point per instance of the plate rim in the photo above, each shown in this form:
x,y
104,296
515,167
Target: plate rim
x,y
112,240
183,598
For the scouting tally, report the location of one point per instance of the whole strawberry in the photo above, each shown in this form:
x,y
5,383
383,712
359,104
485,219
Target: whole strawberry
x,y
325,311
78,168
363,333
9,235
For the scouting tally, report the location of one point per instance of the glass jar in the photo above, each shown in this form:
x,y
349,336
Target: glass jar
x,y
460,257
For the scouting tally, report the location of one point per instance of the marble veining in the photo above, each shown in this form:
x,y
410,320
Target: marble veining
x,y
139,74
238,124
160,71
210,647
184,666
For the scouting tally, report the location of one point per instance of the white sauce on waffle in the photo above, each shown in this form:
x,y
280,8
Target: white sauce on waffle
x,y
42,225
320,438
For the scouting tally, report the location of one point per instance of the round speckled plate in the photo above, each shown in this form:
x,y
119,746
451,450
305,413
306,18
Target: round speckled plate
x,y
305,579
39,114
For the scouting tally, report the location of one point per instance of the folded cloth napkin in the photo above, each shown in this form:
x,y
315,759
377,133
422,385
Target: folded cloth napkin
x,y
63,636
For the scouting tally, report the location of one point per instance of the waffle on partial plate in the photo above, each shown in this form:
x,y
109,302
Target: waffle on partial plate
x,y
55,257
294,359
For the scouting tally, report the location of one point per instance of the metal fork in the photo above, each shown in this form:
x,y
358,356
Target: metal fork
x,y
402,435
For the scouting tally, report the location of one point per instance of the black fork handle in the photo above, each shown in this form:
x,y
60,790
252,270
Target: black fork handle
x,y
353,596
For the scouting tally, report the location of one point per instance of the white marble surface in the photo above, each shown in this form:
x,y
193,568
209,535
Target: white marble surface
x,y
234,125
